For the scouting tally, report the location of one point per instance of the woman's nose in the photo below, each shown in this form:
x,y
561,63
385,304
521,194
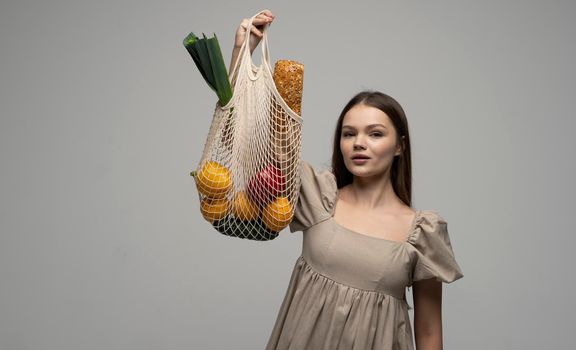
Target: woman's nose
x,y
359,142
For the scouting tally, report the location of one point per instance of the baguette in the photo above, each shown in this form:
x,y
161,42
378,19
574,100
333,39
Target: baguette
x,y
288,78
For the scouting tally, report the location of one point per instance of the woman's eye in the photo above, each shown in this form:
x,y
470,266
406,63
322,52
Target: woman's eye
x,y
377,134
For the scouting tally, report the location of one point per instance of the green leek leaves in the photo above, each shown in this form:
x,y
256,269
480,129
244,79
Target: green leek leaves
x,y
207,55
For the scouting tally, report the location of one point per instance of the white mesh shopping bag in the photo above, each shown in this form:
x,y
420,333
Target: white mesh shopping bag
x,y
248,177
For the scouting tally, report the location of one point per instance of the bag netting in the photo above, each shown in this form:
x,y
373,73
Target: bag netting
x,y
248,177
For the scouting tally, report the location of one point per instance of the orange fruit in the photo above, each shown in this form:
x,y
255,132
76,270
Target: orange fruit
x,y
244,208
213,180
277,214
214,209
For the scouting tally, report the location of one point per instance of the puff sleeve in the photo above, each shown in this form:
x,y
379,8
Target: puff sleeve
x,y
433,254
315,198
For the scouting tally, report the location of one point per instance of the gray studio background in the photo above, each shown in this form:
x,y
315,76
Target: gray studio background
x,y
104,114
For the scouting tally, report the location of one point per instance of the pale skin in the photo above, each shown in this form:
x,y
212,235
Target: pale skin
x,y
369,204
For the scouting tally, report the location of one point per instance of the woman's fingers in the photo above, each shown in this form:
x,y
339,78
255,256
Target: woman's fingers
x,y
253,29
258,23
256,31
267,13
264,17
259,20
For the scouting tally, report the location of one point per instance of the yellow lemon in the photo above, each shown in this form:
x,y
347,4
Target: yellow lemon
x,y
214,209
244,208
277,214
213,180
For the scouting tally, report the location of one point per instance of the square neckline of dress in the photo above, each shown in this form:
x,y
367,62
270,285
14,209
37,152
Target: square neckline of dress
x,y
405,240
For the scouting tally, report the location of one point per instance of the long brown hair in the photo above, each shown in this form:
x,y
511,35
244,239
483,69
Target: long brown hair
x,y
401,171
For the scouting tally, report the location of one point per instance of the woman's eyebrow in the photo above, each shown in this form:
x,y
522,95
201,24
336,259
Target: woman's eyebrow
x,y
367,127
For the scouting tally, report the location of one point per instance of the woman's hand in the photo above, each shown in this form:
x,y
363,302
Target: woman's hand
x,y
265,17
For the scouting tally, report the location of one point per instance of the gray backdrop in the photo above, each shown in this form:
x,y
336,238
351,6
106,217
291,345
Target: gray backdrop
x,y
104,114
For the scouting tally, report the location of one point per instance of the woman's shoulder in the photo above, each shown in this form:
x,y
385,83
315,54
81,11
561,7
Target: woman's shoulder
x,y
306,166
433,251
316,196
431,216
320,178
428,224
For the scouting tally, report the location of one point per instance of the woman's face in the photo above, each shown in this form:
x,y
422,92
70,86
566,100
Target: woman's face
x,y
368,131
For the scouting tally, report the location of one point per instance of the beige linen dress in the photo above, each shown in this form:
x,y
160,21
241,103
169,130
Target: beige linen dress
x,y
347,289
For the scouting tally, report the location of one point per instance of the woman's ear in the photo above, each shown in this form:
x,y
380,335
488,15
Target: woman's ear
x,y
400,146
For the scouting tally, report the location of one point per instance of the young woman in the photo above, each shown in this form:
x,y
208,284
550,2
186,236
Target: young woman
x,y
363,243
